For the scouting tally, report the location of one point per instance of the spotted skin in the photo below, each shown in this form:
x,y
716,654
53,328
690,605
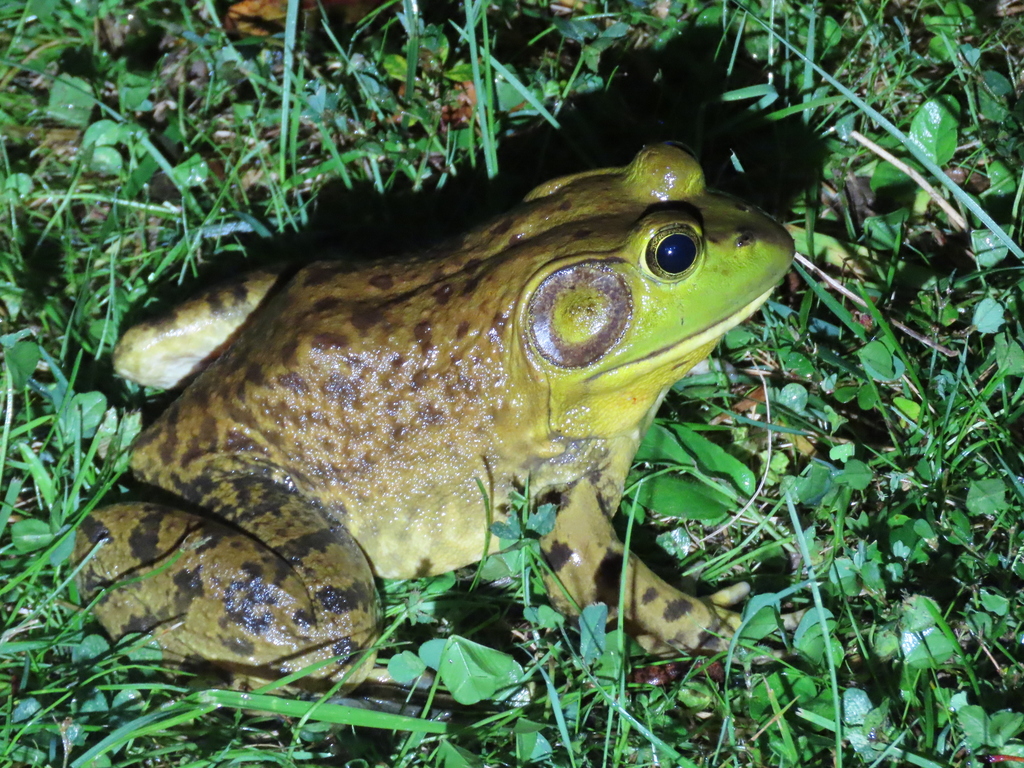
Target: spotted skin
x,y
303,585
346,422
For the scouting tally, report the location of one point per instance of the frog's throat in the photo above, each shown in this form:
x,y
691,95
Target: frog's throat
x,y
679,349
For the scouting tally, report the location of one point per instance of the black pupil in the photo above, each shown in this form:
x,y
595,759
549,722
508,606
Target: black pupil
x,y
676,253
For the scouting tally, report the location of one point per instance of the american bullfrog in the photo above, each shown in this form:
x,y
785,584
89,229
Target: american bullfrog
x,y
373,421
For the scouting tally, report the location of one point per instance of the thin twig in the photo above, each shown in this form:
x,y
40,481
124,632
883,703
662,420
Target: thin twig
x,y
955,218
837,286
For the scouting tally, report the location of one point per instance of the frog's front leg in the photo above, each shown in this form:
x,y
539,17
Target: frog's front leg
x,y
263,587
586,556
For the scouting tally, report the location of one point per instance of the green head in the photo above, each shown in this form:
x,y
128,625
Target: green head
x,y
656,268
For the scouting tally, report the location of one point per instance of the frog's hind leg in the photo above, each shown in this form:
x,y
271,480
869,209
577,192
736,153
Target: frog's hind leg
x,y
286,592
587,560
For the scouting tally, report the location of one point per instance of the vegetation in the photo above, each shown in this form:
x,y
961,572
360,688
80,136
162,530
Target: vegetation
x,y
146,150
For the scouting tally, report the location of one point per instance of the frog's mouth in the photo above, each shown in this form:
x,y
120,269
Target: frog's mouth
x,y
705,337
718,330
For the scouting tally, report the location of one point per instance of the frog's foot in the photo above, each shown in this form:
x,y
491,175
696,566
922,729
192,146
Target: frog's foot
x,y
711,616
731,596
211,593
737,593
716,634
588,565
665,620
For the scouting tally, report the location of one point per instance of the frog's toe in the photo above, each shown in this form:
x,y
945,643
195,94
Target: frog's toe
x,y
737,593
730,596
791,621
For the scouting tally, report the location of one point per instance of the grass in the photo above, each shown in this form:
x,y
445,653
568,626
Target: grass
x,y
145,152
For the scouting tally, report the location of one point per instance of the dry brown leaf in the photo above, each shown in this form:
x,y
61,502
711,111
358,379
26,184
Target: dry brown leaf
x,y
266,17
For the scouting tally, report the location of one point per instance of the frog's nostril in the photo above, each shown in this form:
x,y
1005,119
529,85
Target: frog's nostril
x,y
744,238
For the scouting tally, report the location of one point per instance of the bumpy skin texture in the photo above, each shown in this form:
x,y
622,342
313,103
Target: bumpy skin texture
x,y
352,414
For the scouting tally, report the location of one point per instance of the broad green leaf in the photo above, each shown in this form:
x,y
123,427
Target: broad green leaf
x,y
1009,355
396,66
93,701
918,613
676,542
988,315
84,413
934,129
846,394
890,181
531,745
855,474
593,621
19,185
715,460
616,30
440,585
970,53
867,398
986,497
25,709
973,721
71,101
924,531
134,90
844,574
761,617
661,445
856,705
456,757
879,363
813,484
106,160
405,667
794,397
430,652
62,551
509,529
191,172
674,496
543,616
474,672
809,640
102,133
22,359
1003,726
1002,179
90,648
996,82
927,649
30,534
984,730
578,30
988,249
885,233
994,603
542,522
909,408
842,453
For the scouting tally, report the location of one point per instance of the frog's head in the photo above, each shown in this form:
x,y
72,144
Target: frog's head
x,y
656,269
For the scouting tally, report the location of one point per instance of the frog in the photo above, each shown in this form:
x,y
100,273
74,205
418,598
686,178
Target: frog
x,y
344,422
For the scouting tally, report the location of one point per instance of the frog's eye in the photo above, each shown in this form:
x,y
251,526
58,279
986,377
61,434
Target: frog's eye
x,y
672,252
